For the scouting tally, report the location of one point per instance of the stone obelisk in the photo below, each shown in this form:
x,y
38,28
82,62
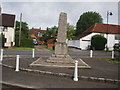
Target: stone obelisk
x,y
60,45
61,49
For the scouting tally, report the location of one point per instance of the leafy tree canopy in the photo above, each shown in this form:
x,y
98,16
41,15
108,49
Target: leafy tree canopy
x,y
24,28
86,20
23,24
70,31
52,32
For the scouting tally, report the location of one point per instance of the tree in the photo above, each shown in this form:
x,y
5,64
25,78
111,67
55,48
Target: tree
x,y
26,40
50,33
70,31
24,28
98,42
86,20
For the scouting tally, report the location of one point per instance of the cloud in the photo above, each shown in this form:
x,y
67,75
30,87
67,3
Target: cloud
x,y
60,0
46,14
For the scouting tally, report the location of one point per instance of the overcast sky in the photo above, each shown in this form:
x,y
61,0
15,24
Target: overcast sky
x,y
46,14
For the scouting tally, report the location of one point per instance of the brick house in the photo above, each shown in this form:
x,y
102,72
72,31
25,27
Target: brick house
x,y
83,41
36,34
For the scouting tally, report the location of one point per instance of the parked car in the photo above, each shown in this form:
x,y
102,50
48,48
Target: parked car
x,y
35,42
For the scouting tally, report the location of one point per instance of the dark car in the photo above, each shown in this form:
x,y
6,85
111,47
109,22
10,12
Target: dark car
x,y
35,42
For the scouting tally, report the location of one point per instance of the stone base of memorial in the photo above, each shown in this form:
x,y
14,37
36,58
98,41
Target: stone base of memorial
x,y
59,62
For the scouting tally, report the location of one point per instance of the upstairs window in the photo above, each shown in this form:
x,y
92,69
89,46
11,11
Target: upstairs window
x,y
39,34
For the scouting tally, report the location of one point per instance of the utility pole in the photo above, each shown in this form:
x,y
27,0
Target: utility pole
x,y
20,29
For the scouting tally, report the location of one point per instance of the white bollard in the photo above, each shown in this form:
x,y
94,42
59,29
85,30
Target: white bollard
x,y
1,56
112,54
91,53
76,71
33,53
17,63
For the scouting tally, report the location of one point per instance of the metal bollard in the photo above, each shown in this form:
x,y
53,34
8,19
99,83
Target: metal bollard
x,y
112,54
76,71
91,53
17,63
1,57
33,53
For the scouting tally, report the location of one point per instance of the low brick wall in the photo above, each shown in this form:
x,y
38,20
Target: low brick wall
x,y
50,46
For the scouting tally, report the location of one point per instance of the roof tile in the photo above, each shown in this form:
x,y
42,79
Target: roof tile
x,y
7,20
100,28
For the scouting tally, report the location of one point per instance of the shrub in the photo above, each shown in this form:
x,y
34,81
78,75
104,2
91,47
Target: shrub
x,y
24,42
17,38
98,42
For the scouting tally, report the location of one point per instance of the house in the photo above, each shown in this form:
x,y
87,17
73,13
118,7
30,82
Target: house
x,y
109,31
36,34
7,28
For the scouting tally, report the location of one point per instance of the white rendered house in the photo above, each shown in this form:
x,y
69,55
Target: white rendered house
x,y
84,41
7,28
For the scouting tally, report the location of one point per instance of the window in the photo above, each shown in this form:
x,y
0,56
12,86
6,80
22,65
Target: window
x,y
39,34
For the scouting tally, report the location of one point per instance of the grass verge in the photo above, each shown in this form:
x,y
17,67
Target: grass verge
x,y
111,60
22,48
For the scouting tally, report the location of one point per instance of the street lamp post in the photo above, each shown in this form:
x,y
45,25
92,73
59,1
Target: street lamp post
x,y
108,13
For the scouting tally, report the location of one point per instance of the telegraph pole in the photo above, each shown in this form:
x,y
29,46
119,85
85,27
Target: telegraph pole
x,y
20,29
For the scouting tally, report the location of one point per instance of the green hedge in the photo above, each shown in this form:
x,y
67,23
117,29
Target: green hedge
x,y
98,42
24,42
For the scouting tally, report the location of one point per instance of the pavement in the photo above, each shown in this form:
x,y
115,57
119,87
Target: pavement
x,y
100,69
39,81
